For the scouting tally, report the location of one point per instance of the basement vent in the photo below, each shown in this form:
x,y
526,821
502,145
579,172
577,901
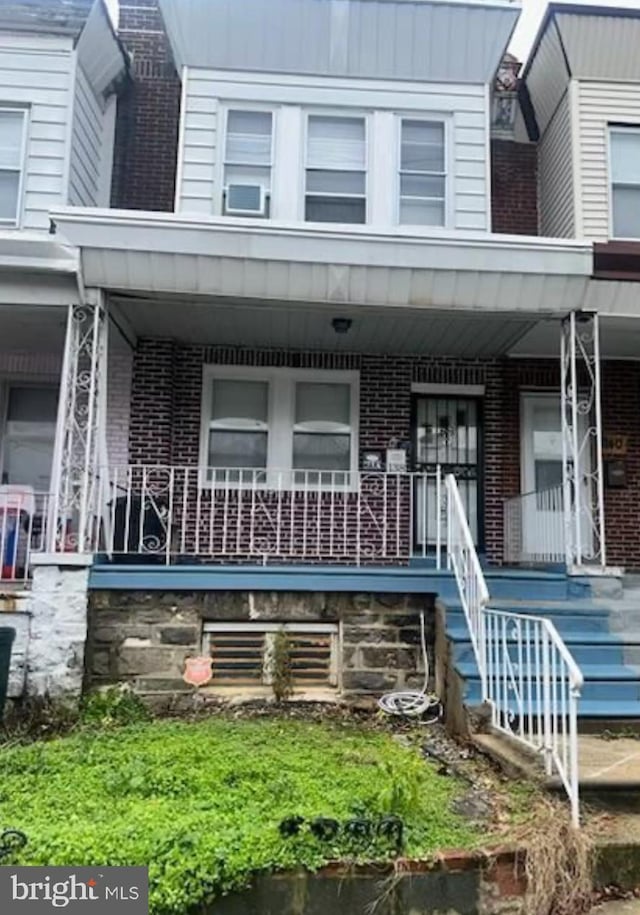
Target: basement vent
x,y
242,653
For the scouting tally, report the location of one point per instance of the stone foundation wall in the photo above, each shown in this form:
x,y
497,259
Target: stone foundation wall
x,y
145,637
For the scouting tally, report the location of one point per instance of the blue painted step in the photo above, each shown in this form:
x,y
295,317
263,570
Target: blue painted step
x,y
583,654
510,584
615,691
611,688
564,621
595,636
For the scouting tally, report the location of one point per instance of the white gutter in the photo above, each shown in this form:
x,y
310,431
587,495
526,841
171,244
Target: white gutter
x,y
123,230
37,252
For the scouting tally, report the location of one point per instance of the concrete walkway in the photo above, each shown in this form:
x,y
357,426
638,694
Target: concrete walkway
x,y
620,907
613,762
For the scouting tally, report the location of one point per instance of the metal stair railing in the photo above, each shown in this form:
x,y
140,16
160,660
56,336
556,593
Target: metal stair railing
x,y
528,676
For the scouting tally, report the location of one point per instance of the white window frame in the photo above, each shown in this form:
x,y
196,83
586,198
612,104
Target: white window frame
x,y
9,109
448,207
281,415
262,109
611,129
336,113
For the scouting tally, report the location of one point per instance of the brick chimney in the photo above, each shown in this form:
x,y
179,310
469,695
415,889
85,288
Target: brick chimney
x,y
146,142
514,168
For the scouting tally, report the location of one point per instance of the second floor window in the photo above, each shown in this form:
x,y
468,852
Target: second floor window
x,y
336,174
247,163
12,129
625,183
422,173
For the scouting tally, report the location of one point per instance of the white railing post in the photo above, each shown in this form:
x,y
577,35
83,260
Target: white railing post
x,y
582,441
80,427
526,671
438,516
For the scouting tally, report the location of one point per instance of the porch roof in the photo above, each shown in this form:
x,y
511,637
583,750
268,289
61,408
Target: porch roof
x,y
38,270
223,258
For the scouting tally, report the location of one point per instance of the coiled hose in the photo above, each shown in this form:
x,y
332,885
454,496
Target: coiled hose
x,y
413,703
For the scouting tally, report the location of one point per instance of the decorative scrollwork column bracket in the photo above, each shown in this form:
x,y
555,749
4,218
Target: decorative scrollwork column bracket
x,y
80,431
582,472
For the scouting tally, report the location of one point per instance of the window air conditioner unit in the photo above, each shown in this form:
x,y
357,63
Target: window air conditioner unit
x,y
245,200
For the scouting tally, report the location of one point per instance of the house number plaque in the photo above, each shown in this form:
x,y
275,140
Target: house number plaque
x,y
614,445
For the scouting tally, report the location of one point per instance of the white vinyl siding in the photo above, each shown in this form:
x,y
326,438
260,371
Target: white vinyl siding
x,y
86,145
463,106
555,175
601,105
36,72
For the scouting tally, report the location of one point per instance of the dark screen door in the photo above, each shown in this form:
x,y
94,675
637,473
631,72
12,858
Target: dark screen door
x,y
447,432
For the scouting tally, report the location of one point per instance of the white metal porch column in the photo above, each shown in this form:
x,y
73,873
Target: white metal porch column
x,y
80,432
582,473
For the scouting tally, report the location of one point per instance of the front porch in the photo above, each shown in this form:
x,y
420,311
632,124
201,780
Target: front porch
x,y
200,428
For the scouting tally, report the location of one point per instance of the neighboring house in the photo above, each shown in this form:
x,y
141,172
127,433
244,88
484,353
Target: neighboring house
x,y
60,67
581,102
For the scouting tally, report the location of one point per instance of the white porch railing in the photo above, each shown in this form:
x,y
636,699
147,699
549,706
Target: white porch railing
x,y
24,519
534,527
462,559
533,685
164,514
527,674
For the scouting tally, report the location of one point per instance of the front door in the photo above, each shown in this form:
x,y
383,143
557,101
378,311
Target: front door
x,y
543,531
447,433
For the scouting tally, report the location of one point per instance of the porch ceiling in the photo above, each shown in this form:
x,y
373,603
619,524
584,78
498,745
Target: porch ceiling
x,y
37,329
619,339
299,326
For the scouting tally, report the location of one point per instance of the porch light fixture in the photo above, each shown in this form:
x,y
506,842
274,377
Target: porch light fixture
x,y
341,325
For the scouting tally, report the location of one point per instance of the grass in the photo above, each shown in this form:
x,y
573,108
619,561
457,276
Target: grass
x,y
201,802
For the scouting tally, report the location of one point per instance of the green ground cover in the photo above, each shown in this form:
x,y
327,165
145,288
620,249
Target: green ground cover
x,y
201,802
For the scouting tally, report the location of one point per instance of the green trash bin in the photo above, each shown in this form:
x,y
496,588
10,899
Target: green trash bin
x,y
7,637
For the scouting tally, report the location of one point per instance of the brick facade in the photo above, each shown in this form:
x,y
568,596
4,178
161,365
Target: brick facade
x,y
514,187
165,417
146,141
165,421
